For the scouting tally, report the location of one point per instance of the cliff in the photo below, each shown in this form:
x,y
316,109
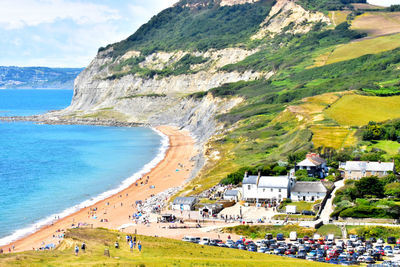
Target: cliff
x,y
157,87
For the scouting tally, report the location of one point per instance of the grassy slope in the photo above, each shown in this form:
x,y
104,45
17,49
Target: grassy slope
x,y
357,49
392,148
156,252
378,23
359,110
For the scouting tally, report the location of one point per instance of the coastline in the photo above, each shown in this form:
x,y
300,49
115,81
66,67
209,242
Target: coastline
x,y
117,207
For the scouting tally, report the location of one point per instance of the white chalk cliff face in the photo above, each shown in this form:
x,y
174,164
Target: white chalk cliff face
x,y
160,100
289,16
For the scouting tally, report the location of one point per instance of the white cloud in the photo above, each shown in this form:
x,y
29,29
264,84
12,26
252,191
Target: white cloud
x,y
35,12
68,33
384,2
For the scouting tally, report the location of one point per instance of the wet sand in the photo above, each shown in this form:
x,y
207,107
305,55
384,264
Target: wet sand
x,y
117,208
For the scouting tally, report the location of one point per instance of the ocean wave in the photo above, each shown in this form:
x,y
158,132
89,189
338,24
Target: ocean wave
x,y
20,233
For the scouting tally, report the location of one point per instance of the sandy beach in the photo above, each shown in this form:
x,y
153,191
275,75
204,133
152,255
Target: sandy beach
x,y
117,208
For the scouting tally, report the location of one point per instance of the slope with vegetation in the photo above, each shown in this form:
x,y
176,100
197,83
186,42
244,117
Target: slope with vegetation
x,y
294,85
155,252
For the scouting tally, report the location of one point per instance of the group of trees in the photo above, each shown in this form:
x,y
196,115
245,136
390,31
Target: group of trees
x,y
385,131
368,197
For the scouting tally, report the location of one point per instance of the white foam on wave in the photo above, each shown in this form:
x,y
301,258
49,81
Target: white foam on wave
x,y
124,184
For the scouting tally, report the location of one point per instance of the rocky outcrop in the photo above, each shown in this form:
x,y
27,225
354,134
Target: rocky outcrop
x,y
236,2
159,100
290,17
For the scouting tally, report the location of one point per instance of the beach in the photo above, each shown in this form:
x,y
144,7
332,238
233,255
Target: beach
x,y
116,210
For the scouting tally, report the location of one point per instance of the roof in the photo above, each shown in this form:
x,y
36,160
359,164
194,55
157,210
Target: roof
x,y
213,206
369,166
184,201
273,182
312,187
232,193
251,179
312,159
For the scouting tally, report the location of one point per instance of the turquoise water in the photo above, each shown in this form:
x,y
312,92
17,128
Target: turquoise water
x,y
49,169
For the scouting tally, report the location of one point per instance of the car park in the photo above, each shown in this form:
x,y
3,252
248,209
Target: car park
x,y
343,252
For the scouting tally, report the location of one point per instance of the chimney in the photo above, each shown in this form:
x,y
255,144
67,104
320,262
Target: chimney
x,y
246,174
379,162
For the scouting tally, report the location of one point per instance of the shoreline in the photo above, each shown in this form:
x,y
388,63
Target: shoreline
x,y
23,232
164,175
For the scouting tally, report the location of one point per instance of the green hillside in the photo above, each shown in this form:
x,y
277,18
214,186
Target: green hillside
x,y
200,26
278,118
155,252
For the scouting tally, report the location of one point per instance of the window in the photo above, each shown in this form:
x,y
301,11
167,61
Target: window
x,y
272,190
280,196
280,190
264,190
248,187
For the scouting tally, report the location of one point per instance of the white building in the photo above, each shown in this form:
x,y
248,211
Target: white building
x,y
184,203
232,195
358,169
308,191
266,188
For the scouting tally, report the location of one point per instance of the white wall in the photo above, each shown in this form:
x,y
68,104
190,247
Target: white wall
x,y
296,196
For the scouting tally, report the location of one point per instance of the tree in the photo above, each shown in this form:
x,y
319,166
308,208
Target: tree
x,y
373,131
393,189
369,186
278,170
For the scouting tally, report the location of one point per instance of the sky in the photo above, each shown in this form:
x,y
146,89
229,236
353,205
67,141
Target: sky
x,y
67,33
384,2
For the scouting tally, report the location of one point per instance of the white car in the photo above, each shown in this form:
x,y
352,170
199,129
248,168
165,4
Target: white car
x,y
259,243
389,253
396,250
353,238
380,241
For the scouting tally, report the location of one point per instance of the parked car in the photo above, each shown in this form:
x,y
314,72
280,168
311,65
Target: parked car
x,y
280,237
391,240
308,212
380,241
372,239
268,236
353,238
293,236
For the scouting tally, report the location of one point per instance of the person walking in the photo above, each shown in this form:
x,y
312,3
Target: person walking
x,y
139,246
83,247
131,245
76,250
116,245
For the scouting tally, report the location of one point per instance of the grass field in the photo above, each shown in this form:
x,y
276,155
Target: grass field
x,y
338,17
377,23
259,231
357,49
329,229
358,110
333,136
301,205
156,252
391,147
373,231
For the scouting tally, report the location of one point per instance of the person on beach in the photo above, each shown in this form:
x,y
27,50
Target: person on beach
x,y
116,244
76,250
139,246
83,247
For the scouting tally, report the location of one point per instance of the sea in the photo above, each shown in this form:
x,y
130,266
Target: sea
x,y
50,171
